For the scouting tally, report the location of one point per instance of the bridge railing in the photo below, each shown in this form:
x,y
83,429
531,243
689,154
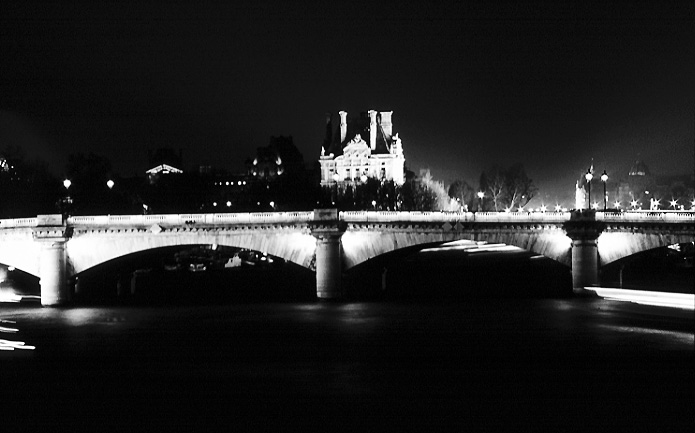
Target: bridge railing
x,y
668,216
18,222
398,216
348,216
391,216
521,216
191,219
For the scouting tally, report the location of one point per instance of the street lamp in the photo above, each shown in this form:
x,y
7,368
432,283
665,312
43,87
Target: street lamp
x,y
110,183
67,183
604,179
480,196
588,177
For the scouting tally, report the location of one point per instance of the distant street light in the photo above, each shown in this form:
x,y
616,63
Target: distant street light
x,y
604,179
481,195
110,183
588,176
67,183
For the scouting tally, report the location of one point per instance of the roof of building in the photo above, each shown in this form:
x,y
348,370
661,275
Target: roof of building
x,y
356,125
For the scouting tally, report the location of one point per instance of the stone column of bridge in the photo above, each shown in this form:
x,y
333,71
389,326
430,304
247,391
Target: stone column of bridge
x,y
583,229
328,231
52,234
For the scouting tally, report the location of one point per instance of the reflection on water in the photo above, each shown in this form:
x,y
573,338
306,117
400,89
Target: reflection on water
x,y
11,344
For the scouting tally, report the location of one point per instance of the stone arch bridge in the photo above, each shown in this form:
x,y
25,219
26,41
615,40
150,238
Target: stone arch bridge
x,y
327,241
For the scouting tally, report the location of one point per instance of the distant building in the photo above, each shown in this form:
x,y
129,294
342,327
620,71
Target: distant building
x,y
361,148
643,190
163,161
639,189
279,159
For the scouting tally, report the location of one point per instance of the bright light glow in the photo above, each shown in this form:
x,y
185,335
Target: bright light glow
x,y
604,176
9,297
110,183
9,330
481,195
214,203
617,205
558,208
588,176
544,208
9,344
634,203
229,204
674,203
67,183
662,299
12,345
595,205
272,204
494,248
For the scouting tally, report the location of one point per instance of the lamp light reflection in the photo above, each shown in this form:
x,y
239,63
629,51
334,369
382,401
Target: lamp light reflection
x,y
662,299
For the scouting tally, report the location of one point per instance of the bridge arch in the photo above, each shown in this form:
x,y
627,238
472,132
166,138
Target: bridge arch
x,y
359,246
86,251
615,245
21,252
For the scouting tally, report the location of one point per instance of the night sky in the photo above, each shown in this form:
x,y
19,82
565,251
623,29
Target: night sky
x,y
548,84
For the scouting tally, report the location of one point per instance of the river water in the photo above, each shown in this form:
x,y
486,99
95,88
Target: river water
x,y
491,341
472,363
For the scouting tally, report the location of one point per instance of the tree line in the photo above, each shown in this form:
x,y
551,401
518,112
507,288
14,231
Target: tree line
x,y
28,188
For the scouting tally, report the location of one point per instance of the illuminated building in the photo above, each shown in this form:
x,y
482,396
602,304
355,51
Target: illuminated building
x,y
163,161
361,148
280,158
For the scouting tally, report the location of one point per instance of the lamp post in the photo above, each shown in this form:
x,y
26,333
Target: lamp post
x,y
481,195
66,201
604,179
588,176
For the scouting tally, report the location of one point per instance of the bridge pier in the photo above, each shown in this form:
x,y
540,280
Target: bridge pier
x,y
52,260
329,262
583,229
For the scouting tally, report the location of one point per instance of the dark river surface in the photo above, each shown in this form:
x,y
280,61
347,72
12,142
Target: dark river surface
x,y
480,363
414,363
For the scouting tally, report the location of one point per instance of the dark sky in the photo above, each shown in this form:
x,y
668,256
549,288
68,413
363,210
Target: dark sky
x,y
548,84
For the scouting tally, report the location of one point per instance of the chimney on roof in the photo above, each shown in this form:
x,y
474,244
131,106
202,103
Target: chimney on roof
x,y
372,130
329,132
343,126
386,125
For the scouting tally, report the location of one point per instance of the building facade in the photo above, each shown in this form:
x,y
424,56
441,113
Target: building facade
x,y
361,148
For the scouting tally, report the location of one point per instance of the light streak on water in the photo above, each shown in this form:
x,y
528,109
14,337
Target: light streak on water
x,y
662,299
10,344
